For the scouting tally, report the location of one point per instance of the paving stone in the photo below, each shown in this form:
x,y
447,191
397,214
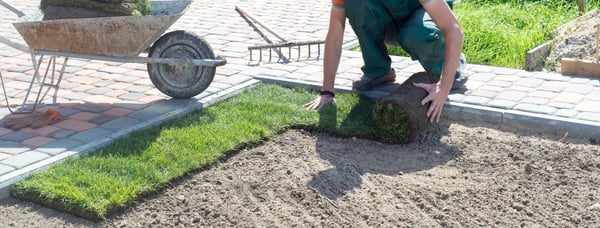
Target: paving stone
x,y
37,141
508,78
77,62
476,100
21,160
227,72
569,98
526,74
13,147
579,88
4,169
83,116
594,96
456,97
17,136
59,146
580,81
535,100
66,112
121,123
529,82
20,69
131,106
543,94
589,106
62,134
561,105
275,73
218,86
91,135
101,119
503,104
498,83
75,125
552,77
591,116
76,96
139,89
126,79
69,85
132,96
511,95
98,91
484,93
535,108
553,86
506,71
114,70
568,113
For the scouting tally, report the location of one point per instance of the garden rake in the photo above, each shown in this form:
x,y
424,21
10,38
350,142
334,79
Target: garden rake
x,y
296,46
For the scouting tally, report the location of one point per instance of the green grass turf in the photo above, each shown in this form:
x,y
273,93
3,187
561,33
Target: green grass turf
x,y
115,176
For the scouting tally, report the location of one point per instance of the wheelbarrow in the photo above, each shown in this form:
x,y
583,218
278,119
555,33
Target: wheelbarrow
x,y
180,64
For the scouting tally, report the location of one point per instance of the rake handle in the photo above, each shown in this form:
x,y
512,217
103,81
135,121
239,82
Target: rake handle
x,y
18,12
245,14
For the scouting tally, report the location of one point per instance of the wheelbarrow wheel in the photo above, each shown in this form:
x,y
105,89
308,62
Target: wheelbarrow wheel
x,y
181,81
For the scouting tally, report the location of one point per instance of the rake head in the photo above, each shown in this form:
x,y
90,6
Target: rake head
x,y
287,51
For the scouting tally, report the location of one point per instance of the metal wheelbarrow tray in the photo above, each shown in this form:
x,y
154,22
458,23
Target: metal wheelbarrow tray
x,y
180,64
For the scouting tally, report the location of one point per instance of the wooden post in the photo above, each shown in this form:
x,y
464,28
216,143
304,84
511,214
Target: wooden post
x,y
581,4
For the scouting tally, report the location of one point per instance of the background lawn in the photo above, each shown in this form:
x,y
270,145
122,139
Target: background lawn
x,y
500,32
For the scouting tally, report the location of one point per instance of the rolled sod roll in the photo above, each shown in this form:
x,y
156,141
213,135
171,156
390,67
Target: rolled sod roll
x,y
65,9
400,114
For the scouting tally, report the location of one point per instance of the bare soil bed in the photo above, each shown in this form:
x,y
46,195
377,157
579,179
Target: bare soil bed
x,y
454,176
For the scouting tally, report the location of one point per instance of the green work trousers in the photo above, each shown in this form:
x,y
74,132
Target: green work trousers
x,y
402,23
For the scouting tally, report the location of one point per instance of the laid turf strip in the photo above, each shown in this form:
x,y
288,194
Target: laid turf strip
x,y
114,177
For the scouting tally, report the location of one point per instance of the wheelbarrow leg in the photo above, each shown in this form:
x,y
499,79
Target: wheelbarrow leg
x,y
40,81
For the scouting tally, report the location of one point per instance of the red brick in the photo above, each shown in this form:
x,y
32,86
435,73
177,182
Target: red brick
x,y
85,116
118,112
37,141
75,125
44,131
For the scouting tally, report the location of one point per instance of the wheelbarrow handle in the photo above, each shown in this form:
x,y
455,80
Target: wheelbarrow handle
x,y
12,8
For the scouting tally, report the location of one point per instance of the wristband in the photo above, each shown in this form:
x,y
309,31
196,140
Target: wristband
x,y
325,92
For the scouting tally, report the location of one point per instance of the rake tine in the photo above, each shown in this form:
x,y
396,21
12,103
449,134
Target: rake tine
x,y
270,53
318,50
278,51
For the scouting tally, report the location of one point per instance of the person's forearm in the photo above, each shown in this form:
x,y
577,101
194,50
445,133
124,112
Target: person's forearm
x,y
333,47
453,46
331,61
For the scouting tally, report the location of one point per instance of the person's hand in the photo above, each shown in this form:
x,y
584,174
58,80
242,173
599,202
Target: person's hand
x,y
436,96
320,102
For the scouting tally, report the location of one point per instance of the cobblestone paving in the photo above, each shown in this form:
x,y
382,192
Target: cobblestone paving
x,y
104,100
